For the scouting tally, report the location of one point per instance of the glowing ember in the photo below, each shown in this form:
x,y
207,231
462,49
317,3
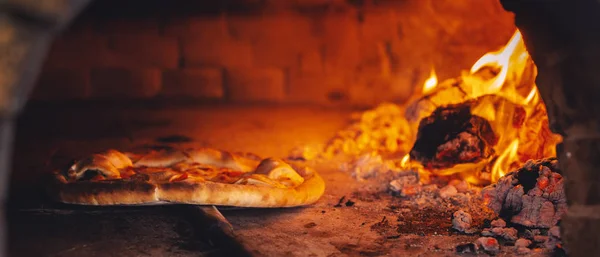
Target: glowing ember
x,y
430,83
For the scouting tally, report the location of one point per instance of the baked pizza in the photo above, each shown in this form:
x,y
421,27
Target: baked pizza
x,y
194,176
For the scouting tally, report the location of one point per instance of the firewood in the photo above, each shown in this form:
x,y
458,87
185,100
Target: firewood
x,y
452,135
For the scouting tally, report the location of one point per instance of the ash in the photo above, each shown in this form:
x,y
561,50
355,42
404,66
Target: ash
x,y
532,196
529,203
518,215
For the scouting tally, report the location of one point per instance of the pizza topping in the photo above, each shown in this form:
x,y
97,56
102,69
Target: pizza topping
x,y
203,176
178,177
127,172
97,164
163,176
161,159
118,159
106,165
221,159
91,175
191,165
280,171
259,180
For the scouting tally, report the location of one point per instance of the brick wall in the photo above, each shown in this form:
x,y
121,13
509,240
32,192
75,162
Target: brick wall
x,y
344,52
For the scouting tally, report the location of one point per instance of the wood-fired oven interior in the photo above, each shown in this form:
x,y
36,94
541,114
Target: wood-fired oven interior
x,y
434,123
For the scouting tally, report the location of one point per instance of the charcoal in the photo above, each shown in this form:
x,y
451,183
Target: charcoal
x,y
460,185
462,221
540,239
553,238
409,190
489,244
532,196
448,191
452,135
522,242
339,203
498,223
406,185
487,232
466,248
509,234
531,233
523,250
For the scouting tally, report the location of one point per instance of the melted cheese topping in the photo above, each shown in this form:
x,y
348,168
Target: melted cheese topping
x,y
192,165
106,165
259,180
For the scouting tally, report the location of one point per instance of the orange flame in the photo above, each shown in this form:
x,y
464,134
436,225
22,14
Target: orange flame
x,y
501,86
502,83
404,161
501,59
504,160
431,82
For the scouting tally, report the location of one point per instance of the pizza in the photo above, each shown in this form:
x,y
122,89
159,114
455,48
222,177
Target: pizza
x,y
193,176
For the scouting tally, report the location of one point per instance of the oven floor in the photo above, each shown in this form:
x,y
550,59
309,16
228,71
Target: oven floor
x,y
318,230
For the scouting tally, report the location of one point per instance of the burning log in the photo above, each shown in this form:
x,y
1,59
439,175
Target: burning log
x,y
532,196
453,135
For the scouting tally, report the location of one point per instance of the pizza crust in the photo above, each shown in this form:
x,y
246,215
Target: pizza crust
x,y
127,192
211,193
108,192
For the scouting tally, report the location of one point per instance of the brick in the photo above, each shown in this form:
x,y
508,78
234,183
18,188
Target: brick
x,y
379,25
144,26
151,51
318,88
311,62
576,231
127,83
62,84
309,3
213,52
341,41
202,27
73,52
277,39
375,58
194,82
249,85
371,89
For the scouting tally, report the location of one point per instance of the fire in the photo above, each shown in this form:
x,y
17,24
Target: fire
x,y
404,161
431,82
503,85
499,87
503,59
504,160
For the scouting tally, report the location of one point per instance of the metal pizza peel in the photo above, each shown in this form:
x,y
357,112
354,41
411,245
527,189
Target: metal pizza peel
x,y
217,218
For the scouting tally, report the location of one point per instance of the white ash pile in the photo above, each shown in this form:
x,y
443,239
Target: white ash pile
x,y
373,165
529,203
